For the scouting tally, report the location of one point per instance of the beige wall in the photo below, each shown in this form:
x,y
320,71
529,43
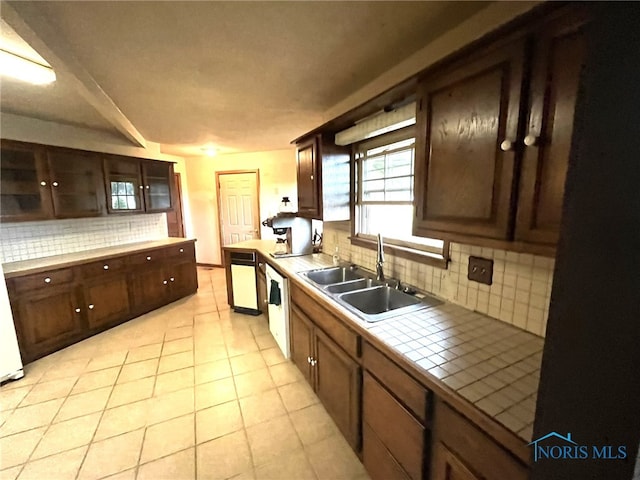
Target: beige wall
x,y
277,171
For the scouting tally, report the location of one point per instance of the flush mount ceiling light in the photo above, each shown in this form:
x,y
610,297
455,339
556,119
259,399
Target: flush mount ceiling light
x,y
209,151
20,68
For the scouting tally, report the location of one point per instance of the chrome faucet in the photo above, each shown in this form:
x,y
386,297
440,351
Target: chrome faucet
x,y
380,260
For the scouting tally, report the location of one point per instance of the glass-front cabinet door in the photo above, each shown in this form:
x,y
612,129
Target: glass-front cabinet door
x,y
123,181
77,185
25,192
157,177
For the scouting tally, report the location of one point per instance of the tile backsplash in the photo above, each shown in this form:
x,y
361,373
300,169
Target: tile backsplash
x,y
27,240
519,294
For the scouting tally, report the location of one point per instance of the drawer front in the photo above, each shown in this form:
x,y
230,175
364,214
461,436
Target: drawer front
x,y
149,257
396,428
332,326
43,280
477,449
184,250
414,396
109,265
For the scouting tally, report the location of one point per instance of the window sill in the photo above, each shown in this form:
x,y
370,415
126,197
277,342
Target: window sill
x,y
412,254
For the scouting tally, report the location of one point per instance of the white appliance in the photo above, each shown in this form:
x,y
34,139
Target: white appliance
x,y
278,310
10,361
243,282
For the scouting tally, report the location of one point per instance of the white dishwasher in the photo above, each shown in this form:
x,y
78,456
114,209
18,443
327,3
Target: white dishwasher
x,y
278,293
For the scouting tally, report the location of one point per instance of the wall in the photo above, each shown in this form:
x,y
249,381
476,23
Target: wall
x,y
519,294
277,171
26,240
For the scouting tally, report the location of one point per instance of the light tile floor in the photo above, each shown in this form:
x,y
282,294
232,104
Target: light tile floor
x,y
190,391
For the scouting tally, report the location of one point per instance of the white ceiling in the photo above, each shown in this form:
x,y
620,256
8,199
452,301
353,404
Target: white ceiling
x,y
246,76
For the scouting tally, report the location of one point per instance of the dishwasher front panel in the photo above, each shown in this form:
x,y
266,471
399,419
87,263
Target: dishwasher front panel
x,y
279,314
243,282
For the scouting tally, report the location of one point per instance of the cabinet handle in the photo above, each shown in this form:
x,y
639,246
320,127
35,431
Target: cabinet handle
x,y
530,140
47,280
43,183
106,267
182,250
148,258
172,279
77,310
164,282
506,145
91,306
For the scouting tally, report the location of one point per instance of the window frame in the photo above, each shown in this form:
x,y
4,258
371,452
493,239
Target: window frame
x,y
397,247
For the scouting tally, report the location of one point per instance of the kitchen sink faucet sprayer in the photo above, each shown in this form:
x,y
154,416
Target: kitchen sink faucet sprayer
x,y
380,260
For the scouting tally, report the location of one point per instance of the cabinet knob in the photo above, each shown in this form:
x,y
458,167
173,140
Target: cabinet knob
x,y
506,145
91,306
147,187
141,187
309,360
164,282
47,280
55,184
148,258
313,362
182,250
311,177
77,310
106,267
530,140
43,183
172,279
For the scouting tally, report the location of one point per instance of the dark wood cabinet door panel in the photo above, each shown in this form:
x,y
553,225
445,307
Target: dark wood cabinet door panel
x,y
308,194
150,289
123,184
157,177
52,278
464,179
402,434
183,279
107,301
338,385
49,320
301,332
378,461
77,183
557,63
447,466
25,193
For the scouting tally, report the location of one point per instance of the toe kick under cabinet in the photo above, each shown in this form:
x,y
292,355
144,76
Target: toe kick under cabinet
x,y
56,308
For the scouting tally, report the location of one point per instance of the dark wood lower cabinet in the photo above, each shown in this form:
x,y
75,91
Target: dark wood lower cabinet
x,y
47,318
54,309
447,466
334,375
338,384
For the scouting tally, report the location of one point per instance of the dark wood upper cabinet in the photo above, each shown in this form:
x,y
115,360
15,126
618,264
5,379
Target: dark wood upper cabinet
x,y
136,185
24,183
467,126
557,62
494,138
323,179
77,183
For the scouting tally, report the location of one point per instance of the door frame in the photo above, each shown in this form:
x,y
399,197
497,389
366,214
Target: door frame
x,y
217,186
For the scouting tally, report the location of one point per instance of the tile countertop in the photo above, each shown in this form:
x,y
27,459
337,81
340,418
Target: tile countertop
x,y
488,363
37,265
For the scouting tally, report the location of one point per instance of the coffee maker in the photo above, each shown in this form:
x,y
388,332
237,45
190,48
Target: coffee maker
x,y
293,231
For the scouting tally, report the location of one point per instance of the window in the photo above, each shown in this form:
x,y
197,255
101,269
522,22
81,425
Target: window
x,y
384,193
123,196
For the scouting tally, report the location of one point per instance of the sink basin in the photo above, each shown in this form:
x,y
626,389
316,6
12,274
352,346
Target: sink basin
x,y
379,299
351,286
327,276
380,302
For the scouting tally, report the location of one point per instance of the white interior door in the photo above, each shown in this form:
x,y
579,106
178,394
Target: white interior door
x,y
239,208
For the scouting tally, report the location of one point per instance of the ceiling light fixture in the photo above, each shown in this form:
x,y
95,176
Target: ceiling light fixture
x,y
15,66
209,151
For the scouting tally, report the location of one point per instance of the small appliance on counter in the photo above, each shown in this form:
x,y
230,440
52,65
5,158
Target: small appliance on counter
x,y
294,234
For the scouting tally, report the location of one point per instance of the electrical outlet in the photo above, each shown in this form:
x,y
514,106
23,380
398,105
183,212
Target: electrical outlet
x,y
480,270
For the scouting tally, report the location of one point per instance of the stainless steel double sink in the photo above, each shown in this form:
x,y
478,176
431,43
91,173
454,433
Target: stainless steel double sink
x,y
370,299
